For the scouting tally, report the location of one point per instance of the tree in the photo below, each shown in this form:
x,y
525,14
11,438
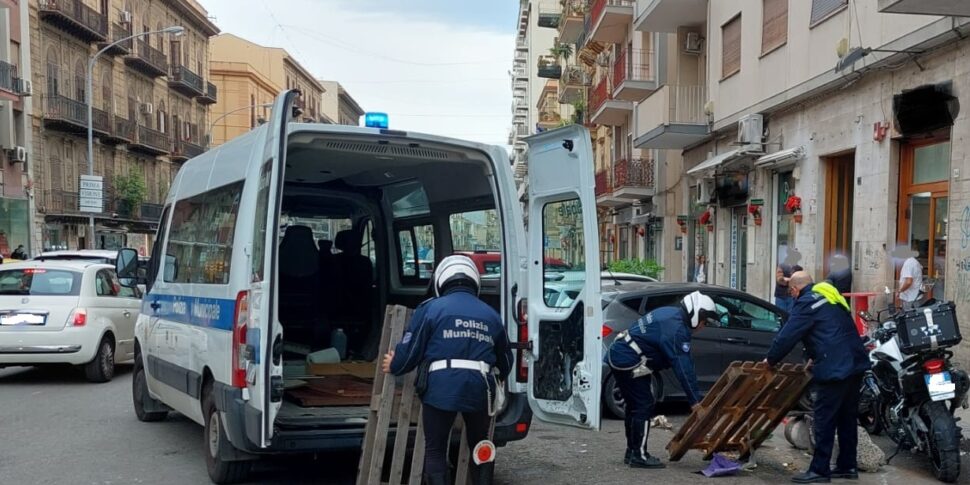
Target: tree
x,y
562,51
130,190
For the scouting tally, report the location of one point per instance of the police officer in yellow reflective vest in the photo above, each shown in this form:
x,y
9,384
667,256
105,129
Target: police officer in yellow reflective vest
x,y
822,320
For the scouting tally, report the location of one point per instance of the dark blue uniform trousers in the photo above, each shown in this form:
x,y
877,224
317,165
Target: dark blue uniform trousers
x,y
836,410
639,402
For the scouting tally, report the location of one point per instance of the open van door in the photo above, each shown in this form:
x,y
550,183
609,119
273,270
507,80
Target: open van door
x,y
564,310
264,371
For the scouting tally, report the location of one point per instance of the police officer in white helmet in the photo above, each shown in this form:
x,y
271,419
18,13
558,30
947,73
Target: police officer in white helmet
x,y
659,340
460,348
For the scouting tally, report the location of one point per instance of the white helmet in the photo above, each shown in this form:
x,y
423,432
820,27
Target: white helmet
x,y
700,307
453,268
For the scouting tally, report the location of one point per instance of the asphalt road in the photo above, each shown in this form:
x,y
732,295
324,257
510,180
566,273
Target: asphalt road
x,y
59,429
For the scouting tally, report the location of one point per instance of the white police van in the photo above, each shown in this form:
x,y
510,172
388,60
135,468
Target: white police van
x,y
239,293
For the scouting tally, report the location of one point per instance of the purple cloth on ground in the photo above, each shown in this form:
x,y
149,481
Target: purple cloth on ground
x,y
721,467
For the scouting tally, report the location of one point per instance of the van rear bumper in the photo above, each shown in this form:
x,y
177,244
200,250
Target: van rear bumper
x,y
243,423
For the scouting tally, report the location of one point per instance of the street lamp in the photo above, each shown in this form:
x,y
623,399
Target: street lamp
x,y
89,99
208,133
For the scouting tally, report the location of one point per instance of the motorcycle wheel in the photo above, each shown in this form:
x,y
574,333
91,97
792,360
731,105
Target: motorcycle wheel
x,y
944,442
870,414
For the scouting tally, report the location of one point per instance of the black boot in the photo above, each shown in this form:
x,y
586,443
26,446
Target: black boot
x,y
482,474
442,478
641,434
627,456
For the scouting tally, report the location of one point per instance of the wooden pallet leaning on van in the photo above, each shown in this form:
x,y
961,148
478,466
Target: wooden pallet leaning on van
x,y
741,410
394,402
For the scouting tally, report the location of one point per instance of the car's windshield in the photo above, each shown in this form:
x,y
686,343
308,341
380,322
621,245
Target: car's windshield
x,y
39,281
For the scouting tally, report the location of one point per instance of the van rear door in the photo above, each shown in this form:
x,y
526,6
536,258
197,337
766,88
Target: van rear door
x,y
564,303
264,376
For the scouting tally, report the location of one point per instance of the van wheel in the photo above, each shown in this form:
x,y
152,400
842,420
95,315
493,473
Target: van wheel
x,y
140,396
102,367
220,471
613,398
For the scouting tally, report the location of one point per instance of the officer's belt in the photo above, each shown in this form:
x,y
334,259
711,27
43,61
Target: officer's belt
x,y
632,343
478,365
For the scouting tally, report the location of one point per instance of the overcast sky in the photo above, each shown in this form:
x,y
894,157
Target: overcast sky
x,y
436,66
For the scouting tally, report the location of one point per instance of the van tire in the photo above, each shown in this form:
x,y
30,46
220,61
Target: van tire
x,y
220,471
102,367
140,396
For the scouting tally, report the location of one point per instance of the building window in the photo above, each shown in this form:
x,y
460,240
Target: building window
x,y
80,75
774,25
823,9
731,47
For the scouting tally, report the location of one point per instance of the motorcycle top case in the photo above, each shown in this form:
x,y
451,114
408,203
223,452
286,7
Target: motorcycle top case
x,y
928,328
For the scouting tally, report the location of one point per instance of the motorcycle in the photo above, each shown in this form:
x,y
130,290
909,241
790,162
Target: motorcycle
x,y
912,396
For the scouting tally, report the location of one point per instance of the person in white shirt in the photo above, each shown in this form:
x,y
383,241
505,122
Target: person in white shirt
x,y
701,276
910,277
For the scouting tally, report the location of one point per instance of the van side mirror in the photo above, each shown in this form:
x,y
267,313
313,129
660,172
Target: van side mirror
x,y
126,266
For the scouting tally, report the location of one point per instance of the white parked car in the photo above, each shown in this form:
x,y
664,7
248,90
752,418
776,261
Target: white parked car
x,y
66,312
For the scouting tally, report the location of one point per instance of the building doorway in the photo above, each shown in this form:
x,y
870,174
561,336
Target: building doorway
x,y
839,195
739,248
924,190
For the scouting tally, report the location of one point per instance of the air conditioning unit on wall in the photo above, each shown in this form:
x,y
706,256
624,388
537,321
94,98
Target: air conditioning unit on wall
x,y
17,154
147,108
694,43
750,134
126,17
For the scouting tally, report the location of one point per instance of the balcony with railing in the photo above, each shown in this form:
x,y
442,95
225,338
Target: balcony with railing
x,y
124,131
633,179
147,59
610,20
9,81
183,80
65,114
634,76
210,96
572,84
75,18
672,118
604,189
67,203
118,32
666,16
183,150
605,109
571,21
151,142
548,106
549,67
549,15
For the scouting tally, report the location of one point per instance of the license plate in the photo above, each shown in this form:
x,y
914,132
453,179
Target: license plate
x,y
940,386
12,319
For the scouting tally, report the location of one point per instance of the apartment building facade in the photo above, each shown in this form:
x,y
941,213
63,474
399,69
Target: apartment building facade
x,y
529,90
15,135
250,76
338,106
150,104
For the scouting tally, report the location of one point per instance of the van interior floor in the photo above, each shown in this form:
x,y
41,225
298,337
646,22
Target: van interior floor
x,y
338,384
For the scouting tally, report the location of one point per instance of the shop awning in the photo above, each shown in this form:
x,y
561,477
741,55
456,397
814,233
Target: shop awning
x,y
781,157
710,165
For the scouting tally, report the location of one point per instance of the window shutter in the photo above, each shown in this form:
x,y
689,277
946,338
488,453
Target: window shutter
x,y
774,28
822,8
731,47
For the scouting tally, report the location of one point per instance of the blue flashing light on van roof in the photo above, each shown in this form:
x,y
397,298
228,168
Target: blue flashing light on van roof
x,y
375,120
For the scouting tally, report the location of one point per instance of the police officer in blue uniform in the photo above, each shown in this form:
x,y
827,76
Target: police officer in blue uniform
x,y
460,348
821,319
659,340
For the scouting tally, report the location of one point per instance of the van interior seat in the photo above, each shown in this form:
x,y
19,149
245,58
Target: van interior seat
x,y
299,278
354,274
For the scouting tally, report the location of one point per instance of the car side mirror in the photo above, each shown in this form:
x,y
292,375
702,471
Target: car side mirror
x,y
126,266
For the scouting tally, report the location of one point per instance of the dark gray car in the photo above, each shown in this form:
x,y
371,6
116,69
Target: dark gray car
x,y
747,326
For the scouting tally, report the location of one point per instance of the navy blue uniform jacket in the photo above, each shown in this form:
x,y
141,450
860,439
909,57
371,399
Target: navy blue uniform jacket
x,y
456,325
829,334
664,337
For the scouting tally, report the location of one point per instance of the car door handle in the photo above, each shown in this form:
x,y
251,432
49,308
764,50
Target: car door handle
x,y
127,314
735,340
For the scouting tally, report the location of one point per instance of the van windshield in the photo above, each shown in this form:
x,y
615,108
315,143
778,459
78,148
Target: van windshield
x,y
39,281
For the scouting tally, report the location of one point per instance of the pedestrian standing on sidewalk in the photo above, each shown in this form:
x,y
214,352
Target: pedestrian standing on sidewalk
x,y
460,349
701,274
822,320
910,277
783,298
659,340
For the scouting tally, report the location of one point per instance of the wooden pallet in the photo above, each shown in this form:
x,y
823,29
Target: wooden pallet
x,y
394,401
741,410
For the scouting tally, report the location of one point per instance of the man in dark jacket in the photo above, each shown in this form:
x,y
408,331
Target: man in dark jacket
x,y
460,343
821,319
659,340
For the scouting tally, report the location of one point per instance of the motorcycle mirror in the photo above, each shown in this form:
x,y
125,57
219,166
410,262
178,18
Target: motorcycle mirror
x,y
865,315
